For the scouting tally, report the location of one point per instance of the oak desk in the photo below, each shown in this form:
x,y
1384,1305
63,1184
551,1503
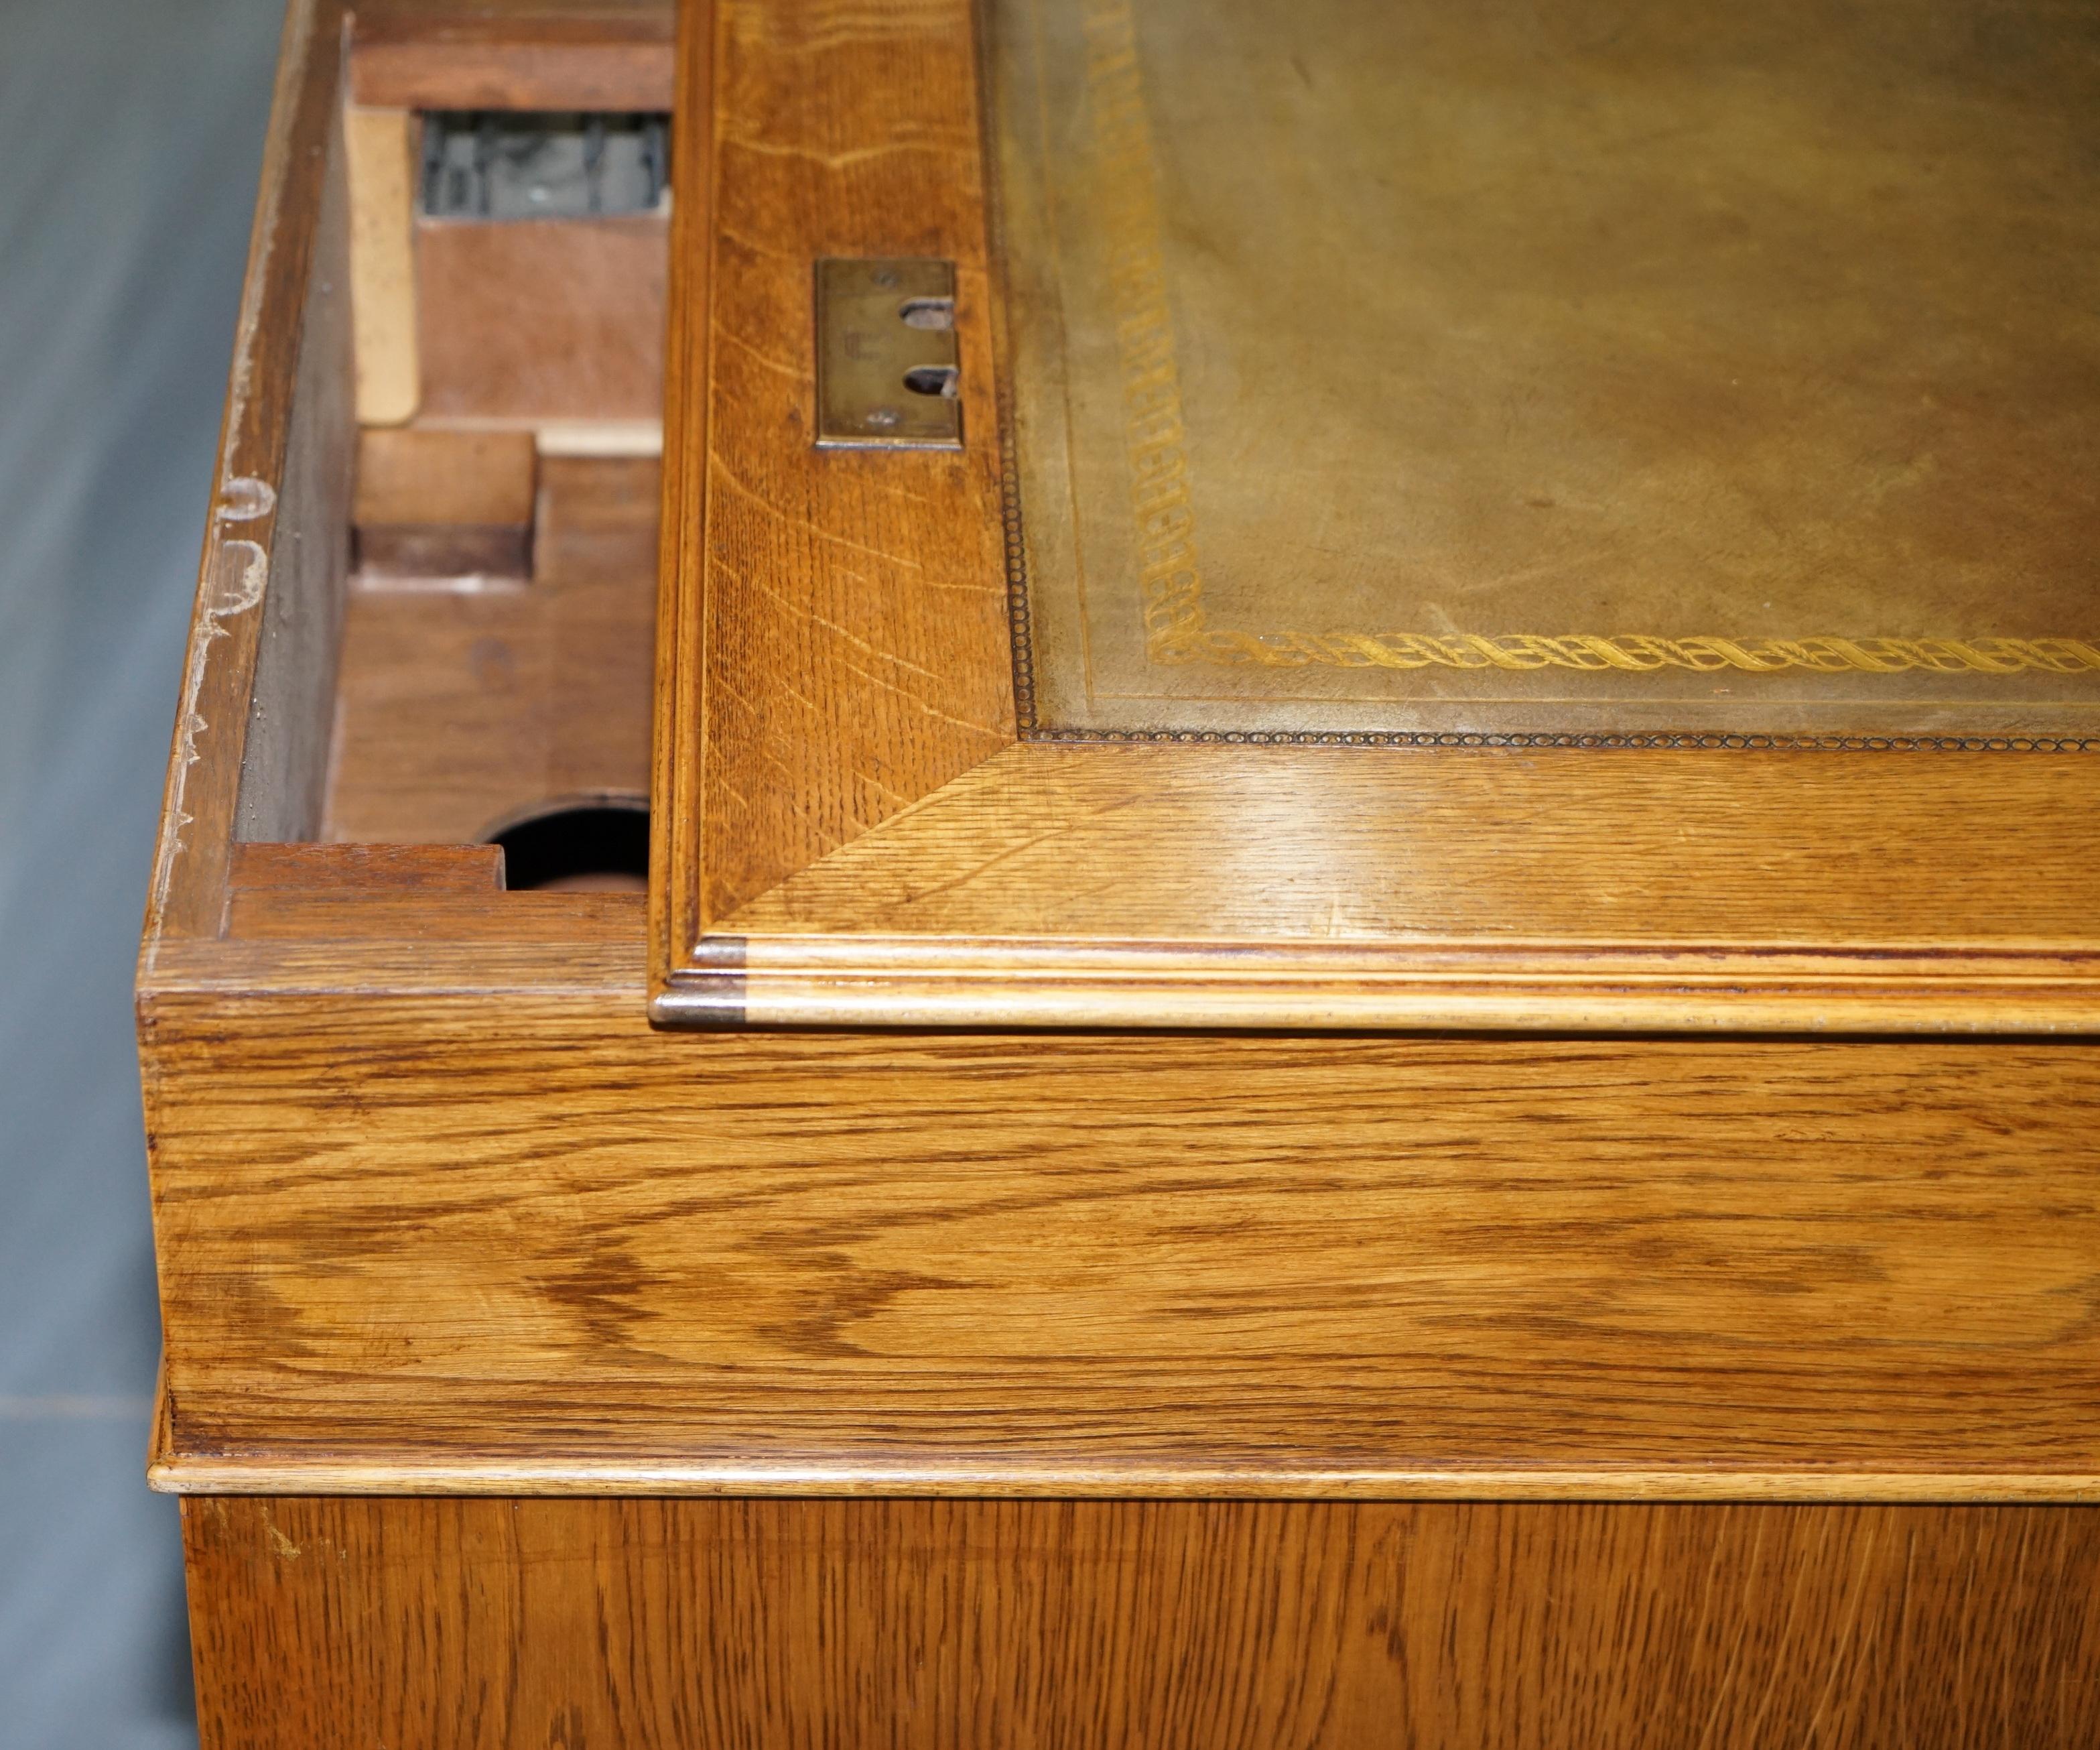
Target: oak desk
x,y
1315,963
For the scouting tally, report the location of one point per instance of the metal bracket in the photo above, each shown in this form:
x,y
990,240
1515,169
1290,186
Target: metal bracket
x,y
887,376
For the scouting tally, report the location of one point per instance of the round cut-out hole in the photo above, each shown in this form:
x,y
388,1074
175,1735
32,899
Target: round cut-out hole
x,y
598,846
931,379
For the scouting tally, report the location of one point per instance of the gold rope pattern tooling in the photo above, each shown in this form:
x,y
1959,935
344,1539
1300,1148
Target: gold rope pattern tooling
x,y
1155,437
1190,641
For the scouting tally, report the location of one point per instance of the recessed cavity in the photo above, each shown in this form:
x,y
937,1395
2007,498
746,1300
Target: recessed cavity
x,y
597,846
490,164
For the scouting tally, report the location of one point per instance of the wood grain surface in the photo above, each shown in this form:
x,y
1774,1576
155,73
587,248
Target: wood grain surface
x,y
318,871
612,55
256,442
461,707
1340,846
1344,887
518,1240
851,629
380,146
682,544
290,699
339,1625
444,503
853,836
427,476
533,320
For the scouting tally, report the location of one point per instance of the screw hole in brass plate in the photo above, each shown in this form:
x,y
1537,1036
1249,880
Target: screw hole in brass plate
x,y
928,313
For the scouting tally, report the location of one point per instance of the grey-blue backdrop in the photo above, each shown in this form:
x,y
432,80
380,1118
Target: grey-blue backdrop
x,y
130,133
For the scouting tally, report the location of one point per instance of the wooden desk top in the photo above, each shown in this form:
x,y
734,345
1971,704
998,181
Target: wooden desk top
x,y
1458,521
436,1208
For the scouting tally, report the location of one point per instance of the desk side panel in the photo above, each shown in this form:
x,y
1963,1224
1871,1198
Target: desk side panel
x,y
518,1242
905,1625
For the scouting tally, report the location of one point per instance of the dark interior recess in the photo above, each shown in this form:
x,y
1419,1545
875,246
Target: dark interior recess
x,y
594,846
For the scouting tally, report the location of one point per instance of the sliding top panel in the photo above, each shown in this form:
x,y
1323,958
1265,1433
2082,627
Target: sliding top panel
x,y
1382,515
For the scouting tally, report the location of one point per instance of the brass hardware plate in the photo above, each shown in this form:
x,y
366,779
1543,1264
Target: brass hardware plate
x,y
886,362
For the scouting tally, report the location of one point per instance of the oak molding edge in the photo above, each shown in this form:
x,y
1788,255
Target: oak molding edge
x,y
862,981
173,1471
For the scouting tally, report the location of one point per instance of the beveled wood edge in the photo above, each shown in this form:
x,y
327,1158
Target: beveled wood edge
x,y
816,982
378,945
779,983
174,1473
675,753
160,1435
766,968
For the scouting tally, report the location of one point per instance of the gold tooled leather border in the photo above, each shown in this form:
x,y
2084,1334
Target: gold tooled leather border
x,y
1171,576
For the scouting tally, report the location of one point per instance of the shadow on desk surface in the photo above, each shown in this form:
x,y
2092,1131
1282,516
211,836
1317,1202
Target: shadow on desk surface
x,y
131,130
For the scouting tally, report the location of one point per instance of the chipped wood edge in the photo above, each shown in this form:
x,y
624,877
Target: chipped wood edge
x,y
161,1459
187,892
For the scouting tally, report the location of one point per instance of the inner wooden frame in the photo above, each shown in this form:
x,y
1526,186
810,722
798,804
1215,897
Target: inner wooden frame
x,y
853,827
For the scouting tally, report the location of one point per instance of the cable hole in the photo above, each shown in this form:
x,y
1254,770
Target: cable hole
x,y
597,846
